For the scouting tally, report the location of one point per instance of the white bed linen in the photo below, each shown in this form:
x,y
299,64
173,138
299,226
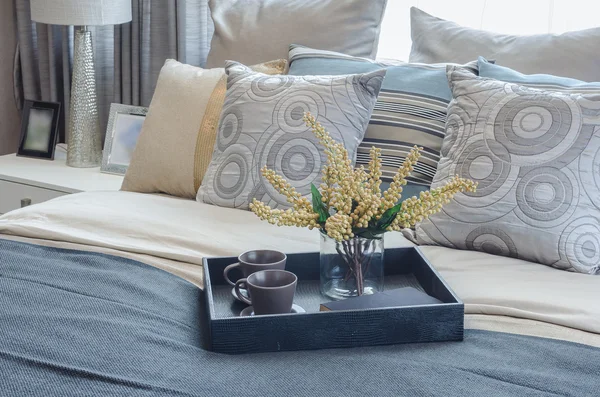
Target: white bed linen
x,y
175,234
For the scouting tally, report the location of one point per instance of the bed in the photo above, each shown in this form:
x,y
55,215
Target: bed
x,y
100,295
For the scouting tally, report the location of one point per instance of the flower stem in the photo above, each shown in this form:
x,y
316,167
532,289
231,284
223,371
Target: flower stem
x,y
353,254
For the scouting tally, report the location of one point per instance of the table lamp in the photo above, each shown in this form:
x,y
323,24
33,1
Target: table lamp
x,y
84,137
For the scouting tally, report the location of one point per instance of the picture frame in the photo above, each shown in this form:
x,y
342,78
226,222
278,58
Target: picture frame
x,y
124,127
39,129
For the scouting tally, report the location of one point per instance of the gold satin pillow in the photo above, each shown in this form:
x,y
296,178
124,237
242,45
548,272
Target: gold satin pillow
x,y
178,136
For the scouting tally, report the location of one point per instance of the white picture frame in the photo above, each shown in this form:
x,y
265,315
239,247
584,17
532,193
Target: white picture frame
x,y
123,130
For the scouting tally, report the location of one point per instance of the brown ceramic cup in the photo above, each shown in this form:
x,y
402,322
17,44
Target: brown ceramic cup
x,y
255,261
271,291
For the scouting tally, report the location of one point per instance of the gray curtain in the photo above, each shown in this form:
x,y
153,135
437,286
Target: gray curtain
x,y
128,57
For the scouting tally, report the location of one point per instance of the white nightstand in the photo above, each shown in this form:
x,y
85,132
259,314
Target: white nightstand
x,y
23,178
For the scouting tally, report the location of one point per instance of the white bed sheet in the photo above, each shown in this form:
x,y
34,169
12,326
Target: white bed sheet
x,y
176,234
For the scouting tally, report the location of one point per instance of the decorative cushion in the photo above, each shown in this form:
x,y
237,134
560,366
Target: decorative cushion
x,y
178,135
252,31
262,124
572,54
536,155
539,81
410,110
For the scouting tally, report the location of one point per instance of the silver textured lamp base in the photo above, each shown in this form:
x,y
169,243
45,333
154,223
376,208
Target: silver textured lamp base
x,y
84,135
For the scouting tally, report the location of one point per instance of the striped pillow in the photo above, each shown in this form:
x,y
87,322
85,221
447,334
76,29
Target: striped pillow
x,y
410,110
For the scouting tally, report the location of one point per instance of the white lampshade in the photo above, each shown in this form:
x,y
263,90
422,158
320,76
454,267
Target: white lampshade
x,y
81,12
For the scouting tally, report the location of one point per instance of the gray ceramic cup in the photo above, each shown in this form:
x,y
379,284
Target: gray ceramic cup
x,y
255,261
271,291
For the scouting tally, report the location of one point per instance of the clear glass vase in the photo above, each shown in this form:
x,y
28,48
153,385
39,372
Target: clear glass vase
x,y
351,268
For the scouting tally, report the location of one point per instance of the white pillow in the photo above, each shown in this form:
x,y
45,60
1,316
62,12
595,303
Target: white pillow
x,y
252,31
572,54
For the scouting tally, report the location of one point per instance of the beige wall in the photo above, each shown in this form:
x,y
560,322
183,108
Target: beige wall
x,y
9,116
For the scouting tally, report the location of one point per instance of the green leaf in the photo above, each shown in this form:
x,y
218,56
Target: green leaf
x,y
318,206
388,217
371,232
354,205
368,233
317,199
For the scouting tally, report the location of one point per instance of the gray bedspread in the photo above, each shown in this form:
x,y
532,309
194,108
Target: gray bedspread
x,y
83,324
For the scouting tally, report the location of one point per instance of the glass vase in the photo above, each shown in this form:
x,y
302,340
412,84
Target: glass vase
x,y
351,268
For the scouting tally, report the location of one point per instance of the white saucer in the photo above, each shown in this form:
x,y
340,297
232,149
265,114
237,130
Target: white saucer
x,y
249,311
243,291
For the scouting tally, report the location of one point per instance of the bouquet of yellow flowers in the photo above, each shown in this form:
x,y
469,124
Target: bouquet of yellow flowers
x,y
350,202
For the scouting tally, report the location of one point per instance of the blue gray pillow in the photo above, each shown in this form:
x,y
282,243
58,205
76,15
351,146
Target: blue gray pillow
x,y
410,110
538,81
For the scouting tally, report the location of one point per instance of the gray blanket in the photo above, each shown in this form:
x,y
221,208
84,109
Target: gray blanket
x,y
85,324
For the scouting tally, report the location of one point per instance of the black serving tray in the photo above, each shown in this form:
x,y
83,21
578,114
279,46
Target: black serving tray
x,y
229,333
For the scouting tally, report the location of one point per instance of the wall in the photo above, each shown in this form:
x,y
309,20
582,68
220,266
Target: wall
x,y
9,116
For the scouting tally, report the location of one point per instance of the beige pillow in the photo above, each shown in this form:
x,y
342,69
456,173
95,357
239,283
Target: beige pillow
x,y
252,31
178,136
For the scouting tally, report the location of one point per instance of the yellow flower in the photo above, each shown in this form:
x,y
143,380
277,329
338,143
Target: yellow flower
x,y
290,217
352,197
394,192
286,189
339,227
415,210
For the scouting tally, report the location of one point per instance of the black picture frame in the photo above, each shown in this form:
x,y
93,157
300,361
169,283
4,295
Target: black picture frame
x,y
40,144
